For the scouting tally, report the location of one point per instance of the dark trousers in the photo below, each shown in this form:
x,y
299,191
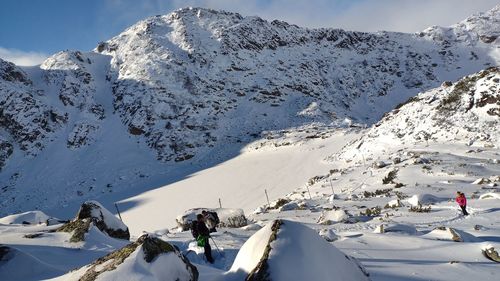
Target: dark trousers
x,y
464,211
208,251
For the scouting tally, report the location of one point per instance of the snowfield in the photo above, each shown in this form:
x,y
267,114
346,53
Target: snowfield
x,y
331,182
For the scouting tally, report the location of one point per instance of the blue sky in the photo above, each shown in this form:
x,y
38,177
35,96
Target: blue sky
x,y
30,30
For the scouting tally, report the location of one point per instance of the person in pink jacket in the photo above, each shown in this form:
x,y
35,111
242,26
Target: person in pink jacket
x,y
462,202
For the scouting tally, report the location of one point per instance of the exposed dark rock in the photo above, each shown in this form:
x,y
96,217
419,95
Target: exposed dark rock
x,y
491,254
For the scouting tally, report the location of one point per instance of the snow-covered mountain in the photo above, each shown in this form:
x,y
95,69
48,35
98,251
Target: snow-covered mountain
x,y
176,93
466,112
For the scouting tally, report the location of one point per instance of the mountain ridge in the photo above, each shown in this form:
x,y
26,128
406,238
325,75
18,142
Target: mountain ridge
x,y
197,85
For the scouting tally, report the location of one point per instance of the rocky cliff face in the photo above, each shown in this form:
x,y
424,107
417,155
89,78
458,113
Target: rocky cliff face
x,y
185,85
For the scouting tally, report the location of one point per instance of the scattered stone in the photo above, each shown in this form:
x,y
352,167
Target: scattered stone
x,y
491,254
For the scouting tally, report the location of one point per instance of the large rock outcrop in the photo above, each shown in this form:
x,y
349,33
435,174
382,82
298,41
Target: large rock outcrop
x,y
92,213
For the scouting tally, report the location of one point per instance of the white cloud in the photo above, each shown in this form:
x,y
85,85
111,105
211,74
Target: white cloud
x,y
360,15
22,58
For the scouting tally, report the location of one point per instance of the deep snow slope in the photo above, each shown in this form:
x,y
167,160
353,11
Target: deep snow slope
x,y
178,93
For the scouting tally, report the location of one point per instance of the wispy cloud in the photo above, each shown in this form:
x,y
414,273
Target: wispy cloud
x,y
22,58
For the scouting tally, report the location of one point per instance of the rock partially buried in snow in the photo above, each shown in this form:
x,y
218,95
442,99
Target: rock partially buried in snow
x,y
398,228
93,213
285,250
289,207
481,181
233,218
149,258
328,234
451,234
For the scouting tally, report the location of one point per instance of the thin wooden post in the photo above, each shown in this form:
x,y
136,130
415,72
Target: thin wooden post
x,y
268,204
119,215
331,185
220,204
308,192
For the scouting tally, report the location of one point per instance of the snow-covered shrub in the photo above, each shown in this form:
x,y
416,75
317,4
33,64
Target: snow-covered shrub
x,y
391,176
420,209
396,203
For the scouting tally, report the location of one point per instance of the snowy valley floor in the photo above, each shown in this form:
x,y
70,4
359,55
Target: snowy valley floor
x,y
370,220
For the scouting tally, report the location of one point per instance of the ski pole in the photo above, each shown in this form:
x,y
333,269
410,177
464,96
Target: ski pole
x,y
215,244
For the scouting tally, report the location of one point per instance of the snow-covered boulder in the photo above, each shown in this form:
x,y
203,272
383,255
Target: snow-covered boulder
x,y
490,195
333,216
289,207
398,228
18,265
285,250
451,234
149,258
93,213
328,234
31,217
423,199
232,218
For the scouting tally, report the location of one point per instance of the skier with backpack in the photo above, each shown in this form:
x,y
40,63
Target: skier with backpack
x,y
462,202
201,233
211,219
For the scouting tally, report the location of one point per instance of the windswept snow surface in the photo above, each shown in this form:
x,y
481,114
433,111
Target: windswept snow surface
x,y
239,183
